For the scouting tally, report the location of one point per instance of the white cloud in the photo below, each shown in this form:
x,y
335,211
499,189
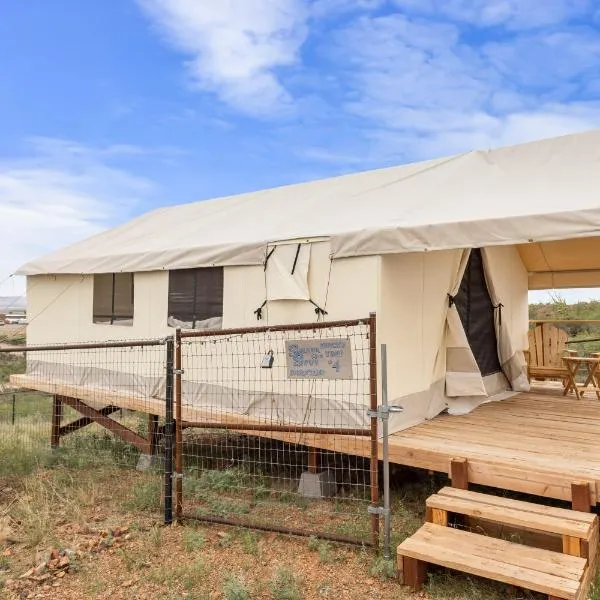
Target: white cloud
x,y
513,14
553,58
328,8
235,48
421,90
63,191
411,78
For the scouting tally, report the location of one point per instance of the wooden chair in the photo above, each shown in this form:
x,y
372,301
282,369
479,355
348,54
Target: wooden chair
x,y
547,346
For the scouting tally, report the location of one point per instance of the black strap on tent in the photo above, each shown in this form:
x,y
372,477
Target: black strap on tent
x,y
258,311
269,256
318,309
296,258
499,308
450,300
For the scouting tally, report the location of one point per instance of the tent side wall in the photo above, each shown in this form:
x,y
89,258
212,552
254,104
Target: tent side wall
x,y
413,301
60,310
346,288
412,311
60,306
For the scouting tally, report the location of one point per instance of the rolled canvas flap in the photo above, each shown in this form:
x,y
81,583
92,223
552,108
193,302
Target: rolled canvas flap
x,y
512,362
463,377
464,384
287,272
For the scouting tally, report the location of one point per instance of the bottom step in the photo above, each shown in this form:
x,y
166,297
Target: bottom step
x,y
552,573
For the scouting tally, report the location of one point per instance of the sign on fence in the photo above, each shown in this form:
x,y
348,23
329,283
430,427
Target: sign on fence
x,y
319,359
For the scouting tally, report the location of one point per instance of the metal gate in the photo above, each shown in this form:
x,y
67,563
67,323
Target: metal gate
x,y
276,428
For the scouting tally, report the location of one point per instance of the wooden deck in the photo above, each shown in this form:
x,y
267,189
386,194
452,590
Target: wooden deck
x,y
538,442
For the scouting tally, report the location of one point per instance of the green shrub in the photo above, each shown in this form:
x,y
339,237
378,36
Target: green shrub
x,y
285,586
235,589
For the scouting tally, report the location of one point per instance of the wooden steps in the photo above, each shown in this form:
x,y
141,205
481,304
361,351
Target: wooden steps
x,y
539,570
524,515
566,575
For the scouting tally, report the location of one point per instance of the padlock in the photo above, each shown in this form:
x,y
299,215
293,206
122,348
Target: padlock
x,y
267,361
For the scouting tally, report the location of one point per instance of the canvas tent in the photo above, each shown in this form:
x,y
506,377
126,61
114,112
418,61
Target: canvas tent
x,y
444,251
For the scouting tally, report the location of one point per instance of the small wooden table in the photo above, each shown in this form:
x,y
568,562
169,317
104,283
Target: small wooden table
x,y
592,382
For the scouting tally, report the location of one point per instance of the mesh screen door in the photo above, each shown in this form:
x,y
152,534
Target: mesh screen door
x,y
476,312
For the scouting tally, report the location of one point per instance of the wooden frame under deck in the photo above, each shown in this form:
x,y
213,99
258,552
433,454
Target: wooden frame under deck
x,y
101,417
535,443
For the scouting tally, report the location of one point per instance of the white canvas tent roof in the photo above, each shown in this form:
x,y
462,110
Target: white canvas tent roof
x,y
526,194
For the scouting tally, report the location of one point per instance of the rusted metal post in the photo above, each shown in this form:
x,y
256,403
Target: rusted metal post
x,y
374,441
56,419
14,407
169,426
241,426
178,430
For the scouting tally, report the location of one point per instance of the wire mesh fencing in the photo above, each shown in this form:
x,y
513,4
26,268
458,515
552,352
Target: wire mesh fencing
x,y
86,406
273,429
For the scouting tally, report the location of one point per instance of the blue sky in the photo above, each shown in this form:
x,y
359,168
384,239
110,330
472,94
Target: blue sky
x,y
108,109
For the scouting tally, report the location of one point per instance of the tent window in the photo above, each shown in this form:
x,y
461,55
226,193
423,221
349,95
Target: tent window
x,y
113,298
195,296
476,312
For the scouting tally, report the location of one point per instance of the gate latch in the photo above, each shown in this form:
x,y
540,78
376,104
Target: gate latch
x,y
378,510
384,412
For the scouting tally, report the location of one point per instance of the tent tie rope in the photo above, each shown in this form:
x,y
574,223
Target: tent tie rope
x,y
296,258
499,308
318,310
258,311
268,257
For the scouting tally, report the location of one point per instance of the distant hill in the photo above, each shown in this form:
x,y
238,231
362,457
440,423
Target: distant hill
x,y
12,303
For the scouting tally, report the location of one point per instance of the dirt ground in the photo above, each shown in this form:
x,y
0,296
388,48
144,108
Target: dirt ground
x,y
97,534
79,542
83,523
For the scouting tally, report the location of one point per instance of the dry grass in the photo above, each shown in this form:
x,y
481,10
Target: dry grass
x,y
78,499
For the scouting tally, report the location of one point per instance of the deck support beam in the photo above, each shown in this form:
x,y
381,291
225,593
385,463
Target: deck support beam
x,y
459,474
414,572
572,545
56,419
153,433
85,421
581,497
313,459
127,435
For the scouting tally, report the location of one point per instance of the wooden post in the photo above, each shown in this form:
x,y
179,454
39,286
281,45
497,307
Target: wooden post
x,y
313,459
571,545
56,419
413,572
439,517
581,497
153,433
459,473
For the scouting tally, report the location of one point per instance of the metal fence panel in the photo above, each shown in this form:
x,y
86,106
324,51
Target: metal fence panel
x,y
273,429
85,406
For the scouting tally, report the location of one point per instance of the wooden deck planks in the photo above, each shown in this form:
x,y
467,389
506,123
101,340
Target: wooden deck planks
x,y
535,443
